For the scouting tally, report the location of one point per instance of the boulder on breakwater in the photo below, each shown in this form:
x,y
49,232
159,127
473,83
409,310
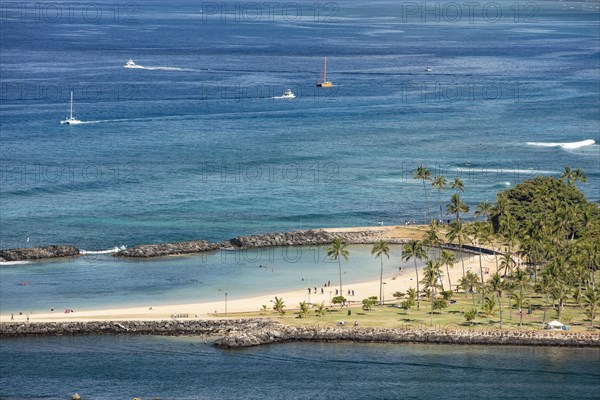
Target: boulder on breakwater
x,y
38,253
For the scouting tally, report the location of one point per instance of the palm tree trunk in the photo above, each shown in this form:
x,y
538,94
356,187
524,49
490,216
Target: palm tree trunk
x,y
521,305
340,267
482,281
426,203
449,281
381,283
545,307
500,306
440,201
417,273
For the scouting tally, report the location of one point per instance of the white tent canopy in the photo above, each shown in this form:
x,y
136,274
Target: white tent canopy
x,y
554,325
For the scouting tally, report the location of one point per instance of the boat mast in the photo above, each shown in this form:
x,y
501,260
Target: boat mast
x,y
71,105
325,71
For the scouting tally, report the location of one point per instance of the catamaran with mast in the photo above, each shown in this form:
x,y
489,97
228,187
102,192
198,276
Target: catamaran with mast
x,y
325,83
71,120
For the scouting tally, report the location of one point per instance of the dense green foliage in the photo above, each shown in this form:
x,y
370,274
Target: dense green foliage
x,y
546,200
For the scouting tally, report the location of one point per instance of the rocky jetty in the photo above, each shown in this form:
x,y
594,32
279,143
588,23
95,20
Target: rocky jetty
x,y
38,253
167,327
283,334
236,333
312,237
169,249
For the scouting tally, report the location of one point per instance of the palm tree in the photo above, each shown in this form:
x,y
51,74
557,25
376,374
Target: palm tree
x,y
458,233
571,176
423,174
304,309
381,249
432,238
591,302
483,209
520,278
494,284
458,185
506,262
431,275
439,183
414,249
320,309
278,305
448,258
468,283
335,251
482,234
457,206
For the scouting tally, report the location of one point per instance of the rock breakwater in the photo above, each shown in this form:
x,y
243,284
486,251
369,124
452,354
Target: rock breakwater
x,y
38,253
236,333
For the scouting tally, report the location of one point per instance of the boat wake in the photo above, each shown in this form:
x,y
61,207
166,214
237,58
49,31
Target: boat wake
x,y
109,251
566,145
159,68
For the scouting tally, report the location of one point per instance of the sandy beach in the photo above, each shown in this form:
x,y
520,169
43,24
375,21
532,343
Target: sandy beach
x,y
400,281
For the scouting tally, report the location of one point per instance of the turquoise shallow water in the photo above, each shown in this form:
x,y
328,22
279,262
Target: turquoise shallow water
x,y
101,281
186,368
204,151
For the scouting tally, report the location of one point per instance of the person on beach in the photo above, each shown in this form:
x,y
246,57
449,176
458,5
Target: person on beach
x,y
322,291
336,292
308,290
352,292
27,317
12,317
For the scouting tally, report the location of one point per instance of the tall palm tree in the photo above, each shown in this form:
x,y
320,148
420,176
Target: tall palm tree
x,y
591,302
381,249
423,174
482,234
483,209
448,258
494,284
336,250
458,185
431,277
457,206
520,278
414,249
458,233
506,262
439,183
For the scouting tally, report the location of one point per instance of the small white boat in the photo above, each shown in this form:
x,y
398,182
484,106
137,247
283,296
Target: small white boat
x,y
71,120
428,69
131,64
288,94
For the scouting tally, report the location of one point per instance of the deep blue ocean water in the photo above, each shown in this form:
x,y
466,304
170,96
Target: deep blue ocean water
x,y
101,367
194,146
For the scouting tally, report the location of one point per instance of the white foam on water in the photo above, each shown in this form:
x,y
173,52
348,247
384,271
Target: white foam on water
x,y
565,145
14,262
109,251
158,68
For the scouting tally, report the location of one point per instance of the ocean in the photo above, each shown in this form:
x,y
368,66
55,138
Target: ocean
x,y
123,367
193,144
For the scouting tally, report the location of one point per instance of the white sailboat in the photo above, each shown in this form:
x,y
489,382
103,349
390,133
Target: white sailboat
x,y
71,120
